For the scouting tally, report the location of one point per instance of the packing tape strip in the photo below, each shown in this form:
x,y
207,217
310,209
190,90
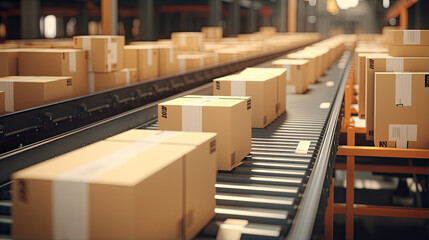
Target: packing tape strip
x,y
402,133
288,71
231,229
182,39
395,64
238,88
7,86
70,191
403,86
149,53
192,114
91,82
72,62
86,45
303,147
171,55
127,77
411,37
182,65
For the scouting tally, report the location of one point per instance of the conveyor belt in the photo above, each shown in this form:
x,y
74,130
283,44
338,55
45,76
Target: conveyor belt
x,y
267,188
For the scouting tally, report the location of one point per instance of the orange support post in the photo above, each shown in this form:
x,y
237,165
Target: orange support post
x,y
385,211
292,12
106,17
329,215
350,190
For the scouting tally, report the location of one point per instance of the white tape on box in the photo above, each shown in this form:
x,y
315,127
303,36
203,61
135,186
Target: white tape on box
x,y
395,64
288,71
192,115
7,87
402,133
86,45
411,37
403,94
91,82
170,55
303,147
182,39
127,77
70,191
149,56
72,62
238,88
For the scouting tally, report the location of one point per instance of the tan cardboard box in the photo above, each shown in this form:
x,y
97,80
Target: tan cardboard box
x,y
360,69
190,61
296,74
27,92
2,102
188,41
144,58
168,63
229,117
91,192
9,62
280,74
212,32
262,89
105,53
409,43
56,62
226,55
312,65
386,64
270,30
200,169
109,80
326,58
401,111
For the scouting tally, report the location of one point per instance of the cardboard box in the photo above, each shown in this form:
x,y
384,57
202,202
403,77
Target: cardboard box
x,y
360,69
262,89
188,41
386,64
280,74
109,80
229,117
105,53
190,61
2,102
200,169
103,191
313,73
144,58
401,111
324,53
212,32
168,63
409,43
227,55
297,74
56,62
268,30
27,92
9,62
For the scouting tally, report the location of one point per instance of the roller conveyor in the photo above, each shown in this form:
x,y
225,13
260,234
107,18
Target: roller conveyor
x,y
268,188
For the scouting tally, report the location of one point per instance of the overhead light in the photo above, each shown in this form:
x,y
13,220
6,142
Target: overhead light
x,y
50,26
312,2
346,4
386,3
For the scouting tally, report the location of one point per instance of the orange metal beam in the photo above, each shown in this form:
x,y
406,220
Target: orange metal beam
x,y
385,211
106,17
396,9
329,215
292,12
382,152
350,190
385,168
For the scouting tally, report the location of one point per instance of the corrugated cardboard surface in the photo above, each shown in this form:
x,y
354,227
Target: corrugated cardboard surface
x,y
387,112
56,62
378,64
200,169
297,73
230,118
413,36
31,91
137,196
409,51
9,62
262,89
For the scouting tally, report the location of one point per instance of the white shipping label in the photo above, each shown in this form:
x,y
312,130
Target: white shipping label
x,y
411,36
403,90
91,82
72,62
7,87
238,88
303,147
395,64
192,115
402,133
70,192
149,57
127,77
170,55
86,45
290,89
288,70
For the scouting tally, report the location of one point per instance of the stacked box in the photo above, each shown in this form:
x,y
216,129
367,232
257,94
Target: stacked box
x,y
296,74
409,43
144,58
262,89
313,63
26,92
401,111
108,80
229,117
